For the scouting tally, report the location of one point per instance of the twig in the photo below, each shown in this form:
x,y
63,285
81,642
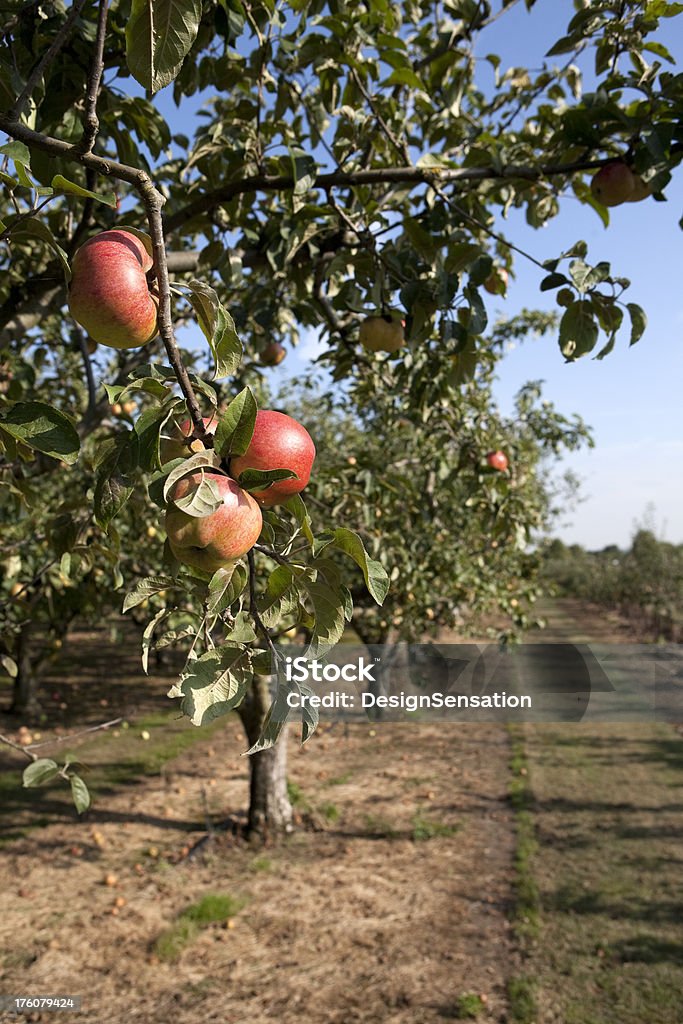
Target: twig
x,y
253,610
272,554
91,124
89,375
17,108
15,746
74,735
400,147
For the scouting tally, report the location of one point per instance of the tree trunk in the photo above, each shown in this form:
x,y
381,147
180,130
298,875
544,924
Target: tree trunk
x,y
270,812
24,693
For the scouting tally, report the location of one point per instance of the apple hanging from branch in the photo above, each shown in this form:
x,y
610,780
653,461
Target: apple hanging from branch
x,y
214,541
498,460
384,333
173,445
614,184
273,354
278,442
109,295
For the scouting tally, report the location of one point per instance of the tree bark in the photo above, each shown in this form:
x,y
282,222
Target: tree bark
x,y
24,693
270,812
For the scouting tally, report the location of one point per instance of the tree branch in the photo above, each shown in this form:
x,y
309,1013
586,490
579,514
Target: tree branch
x,y
91,124
65,31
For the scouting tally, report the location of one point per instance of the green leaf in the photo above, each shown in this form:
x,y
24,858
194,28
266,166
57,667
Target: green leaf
x,y
374,573
261,479
159,35
80,794
404,76
225,587
65,187
111,494
39,771
638,321
201,500
236,426
34,228
44,429
297,507
578,330
148,635
329,619
207,460
281,596
215,684
553,281
218,328
144,589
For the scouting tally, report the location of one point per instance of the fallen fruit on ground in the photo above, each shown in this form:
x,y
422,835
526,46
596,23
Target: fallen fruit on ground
x,y
217,540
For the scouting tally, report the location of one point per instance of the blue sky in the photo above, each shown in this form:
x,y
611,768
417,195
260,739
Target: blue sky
x,y
632,399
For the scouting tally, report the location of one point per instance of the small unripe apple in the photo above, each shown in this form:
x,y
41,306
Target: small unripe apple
x,y
171,445
640,190
497,460
217,540
278,442
273,354
613,184
151,532
18,590
352,460
382,333
117,409
497,281
129,408
109,295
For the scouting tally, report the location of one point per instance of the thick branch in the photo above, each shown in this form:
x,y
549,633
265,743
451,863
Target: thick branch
x,y
374,176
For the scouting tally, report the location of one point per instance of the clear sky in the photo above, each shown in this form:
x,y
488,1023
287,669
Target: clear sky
x,y
632,399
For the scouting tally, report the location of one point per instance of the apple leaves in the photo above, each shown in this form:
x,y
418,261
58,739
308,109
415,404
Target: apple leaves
x,y
159,36
374,573
214,684
218,328
236,426
44,429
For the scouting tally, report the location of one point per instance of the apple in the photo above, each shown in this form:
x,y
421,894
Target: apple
x,y
279,442
217,540
640,190
109,295
172,445
497,281
382,333
497,460
613,184
273,354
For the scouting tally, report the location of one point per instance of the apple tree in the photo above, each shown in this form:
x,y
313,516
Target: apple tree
x,y
345,177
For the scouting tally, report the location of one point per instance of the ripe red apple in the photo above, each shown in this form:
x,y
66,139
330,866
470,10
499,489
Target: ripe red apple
x,y
382,333
497,460
273,354
109,295
216,540
171,445
497,281
279,442
613,184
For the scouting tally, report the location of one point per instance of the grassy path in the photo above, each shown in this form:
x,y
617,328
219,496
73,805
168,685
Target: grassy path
x,y
606,811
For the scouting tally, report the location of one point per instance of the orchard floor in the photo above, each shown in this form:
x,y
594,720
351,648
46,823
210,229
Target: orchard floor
x,y
393,902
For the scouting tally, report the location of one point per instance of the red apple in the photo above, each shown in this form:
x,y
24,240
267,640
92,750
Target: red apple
x,y
640,190
172,446
497,460
497,281
273,354
613,184
279,442
382,333
109,295
214,541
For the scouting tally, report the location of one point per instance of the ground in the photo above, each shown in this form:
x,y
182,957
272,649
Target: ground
x,y
398,898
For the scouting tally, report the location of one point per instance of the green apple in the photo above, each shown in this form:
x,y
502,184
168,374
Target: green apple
x,y
382,333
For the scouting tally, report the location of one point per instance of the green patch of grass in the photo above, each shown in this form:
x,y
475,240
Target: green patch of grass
x,y
424,829
339,780
522,1000
261,864
469,1006
330,812
214,908
296,794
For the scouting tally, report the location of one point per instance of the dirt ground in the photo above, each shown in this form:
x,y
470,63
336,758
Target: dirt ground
x,y
388,904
